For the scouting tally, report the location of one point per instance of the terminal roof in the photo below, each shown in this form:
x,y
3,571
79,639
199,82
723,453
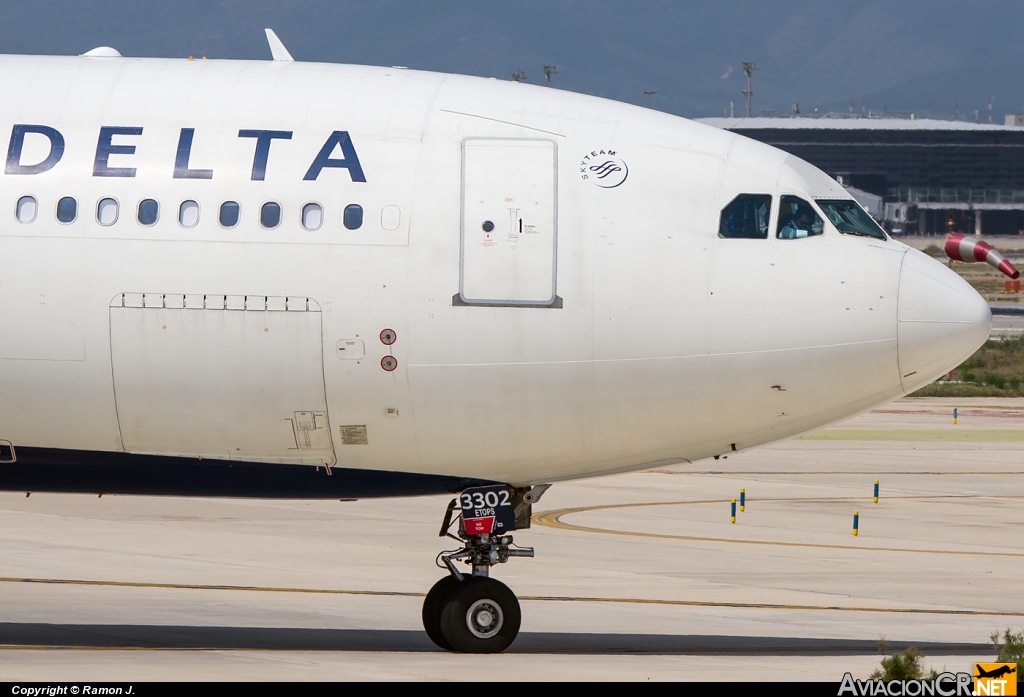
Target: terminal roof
x,y
753,123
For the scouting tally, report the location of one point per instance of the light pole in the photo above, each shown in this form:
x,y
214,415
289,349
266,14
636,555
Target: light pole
x,y
749,68
650,93
550,70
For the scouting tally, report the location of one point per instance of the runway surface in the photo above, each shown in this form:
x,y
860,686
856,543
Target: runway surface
x,y
637,576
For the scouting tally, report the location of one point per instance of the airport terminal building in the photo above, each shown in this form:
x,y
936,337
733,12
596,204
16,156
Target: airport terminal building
x,y
916,176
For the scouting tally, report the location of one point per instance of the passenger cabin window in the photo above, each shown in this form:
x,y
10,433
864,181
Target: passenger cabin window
x,y
229,214
188,213
26,209
149,211
67,210
850,219
270,215
106,211
353,218
797,219
312,216
746,217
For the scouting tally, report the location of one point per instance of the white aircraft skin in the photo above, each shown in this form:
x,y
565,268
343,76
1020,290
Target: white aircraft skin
x,y
664,344
536,290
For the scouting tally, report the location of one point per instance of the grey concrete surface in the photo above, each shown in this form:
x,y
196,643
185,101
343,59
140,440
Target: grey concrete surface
x,y
1008,325
657,585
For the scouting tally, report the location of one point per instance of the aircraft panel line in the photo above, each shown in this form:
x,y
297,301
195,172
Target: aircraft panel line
x,y
651,358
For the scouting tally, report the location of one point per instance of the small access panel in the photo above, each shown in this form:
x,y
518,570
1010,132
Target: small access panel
x,y
509,223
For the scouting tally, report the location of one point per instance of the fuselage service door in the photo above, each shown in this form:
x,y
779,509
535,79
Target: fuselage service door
x,y
220,377
509,221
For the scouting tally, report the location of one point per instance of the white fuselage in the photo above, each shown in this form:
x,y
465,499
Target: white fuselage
x,y
629,335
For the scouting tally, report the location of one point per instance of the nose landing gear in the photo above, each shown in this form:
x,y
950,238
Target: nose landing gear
x,y
473,613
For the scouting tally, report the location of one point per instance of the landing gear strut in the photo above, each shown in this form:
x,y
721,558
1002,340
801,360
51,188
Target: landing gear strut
x,y
473,613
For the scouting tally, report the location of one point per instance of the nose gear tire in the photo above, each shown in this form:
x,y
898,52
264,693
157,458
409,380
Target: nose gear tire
x,y
480,615
433,604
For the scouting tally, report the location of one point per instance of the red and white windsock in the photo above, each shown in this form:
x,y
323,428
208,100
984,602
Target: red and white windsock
x,y
961,247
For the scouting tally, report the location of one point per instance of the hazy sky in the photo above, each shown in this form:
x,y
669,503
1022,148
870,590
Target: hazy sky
x,y
907,56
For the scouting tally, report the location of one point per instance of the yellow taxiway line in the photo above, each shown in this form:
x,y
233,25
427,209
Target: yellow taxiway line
x,y
966,435
539,598
553,519
755,473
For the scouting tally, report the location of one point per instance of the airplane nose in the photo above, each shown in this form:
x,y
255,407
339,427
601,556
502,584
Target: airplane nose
x,y
942,320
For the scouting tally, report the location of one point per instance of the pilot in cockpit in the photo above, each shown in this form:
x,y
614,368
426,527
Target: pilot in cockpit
x,y
799,224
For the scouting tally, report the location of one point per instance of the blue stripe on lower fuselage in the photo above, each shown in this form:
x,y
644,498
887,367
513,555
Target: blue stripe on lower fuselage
x,y
92,472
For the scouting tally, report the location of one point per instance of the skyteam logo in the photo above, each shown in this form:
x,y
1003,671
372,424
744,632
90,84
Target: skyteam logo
x,y
604,168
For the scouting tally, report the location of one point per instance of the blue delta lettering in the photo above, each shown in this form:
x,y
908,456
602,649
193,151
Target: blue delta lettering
x,y
18,133
117,140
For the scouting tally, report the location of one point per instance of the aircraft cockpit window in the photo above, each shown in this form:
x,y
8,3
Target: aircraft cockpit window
x,y
26,209
67,210
270,215
149,211
746,217
188,214
353,216
850,219
229,214
106,211
312,216
797,219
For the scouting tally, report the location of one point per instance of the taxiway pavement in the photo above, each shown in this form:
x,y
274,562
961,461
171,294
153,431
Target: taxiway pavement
x,y
637,576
